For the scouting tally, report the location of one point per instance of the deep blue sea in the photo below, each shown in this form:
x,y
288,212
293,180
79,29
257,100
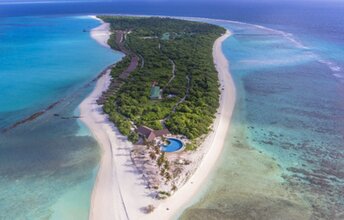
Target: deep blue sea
x,y
284,153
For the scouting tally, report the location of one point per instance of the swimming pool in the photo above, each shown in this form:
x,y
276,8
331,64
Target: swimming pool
x,y
173,146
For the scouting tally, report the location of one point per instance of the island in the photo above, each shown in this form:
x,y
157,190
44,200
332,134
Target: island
x,y
167,111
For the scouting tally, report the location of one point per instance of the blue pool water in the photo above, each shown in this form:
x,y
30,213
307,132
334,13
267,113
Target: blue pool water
x,y
173,146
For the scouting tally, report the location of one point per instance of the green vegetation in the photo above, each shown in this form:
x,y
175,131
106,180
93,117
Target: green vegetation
x,y
161,159
163,194
190,100
190,146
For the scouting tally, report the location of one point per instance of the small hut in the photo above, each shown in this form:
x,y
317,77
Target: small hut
x,y
150,134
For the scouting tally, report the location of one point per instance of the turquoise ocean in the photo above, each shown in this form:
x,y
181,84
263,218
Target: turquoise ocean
x,y
48,165
284,153
283,157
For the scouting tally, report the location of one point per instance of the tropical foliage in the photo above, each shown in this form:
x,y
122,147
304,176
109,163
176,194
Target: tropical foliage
x,y
189,99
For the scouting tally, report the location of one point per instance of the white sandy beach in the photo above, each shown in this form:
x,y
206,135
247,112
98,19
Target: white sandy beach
x,y
119,191
117,185
101,33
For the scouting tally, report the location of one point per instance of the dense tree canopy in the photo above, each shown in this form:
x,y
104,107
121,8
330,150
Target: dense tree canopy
x,y
190,96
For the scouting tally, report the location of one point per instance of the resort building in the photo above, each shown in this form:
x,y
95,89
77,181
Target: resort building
x,y
149,134
155,92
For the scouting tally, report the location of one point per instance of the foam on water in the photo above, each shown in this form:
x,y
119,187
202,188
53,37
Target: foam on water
x,y
333,66
308,54
286,35
283,157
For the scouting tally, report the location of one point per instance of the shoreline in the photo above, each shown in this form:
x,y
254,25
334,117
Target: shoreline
x,y
116,172
212,146
119,191
102,33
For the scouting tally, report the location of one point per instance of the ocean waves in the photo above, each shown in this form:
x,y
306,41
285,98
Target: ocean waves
x,y
300,53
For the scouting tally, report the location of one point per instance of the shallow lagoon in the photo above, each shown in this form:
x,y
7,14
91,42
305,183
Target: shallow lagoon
x,y
283,155
47,166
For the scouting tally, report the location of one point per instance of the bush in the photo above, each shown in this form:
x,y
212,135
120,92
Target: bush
x,y
161,159
166,165
164,193
149,209
152,155
190,146
133,137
